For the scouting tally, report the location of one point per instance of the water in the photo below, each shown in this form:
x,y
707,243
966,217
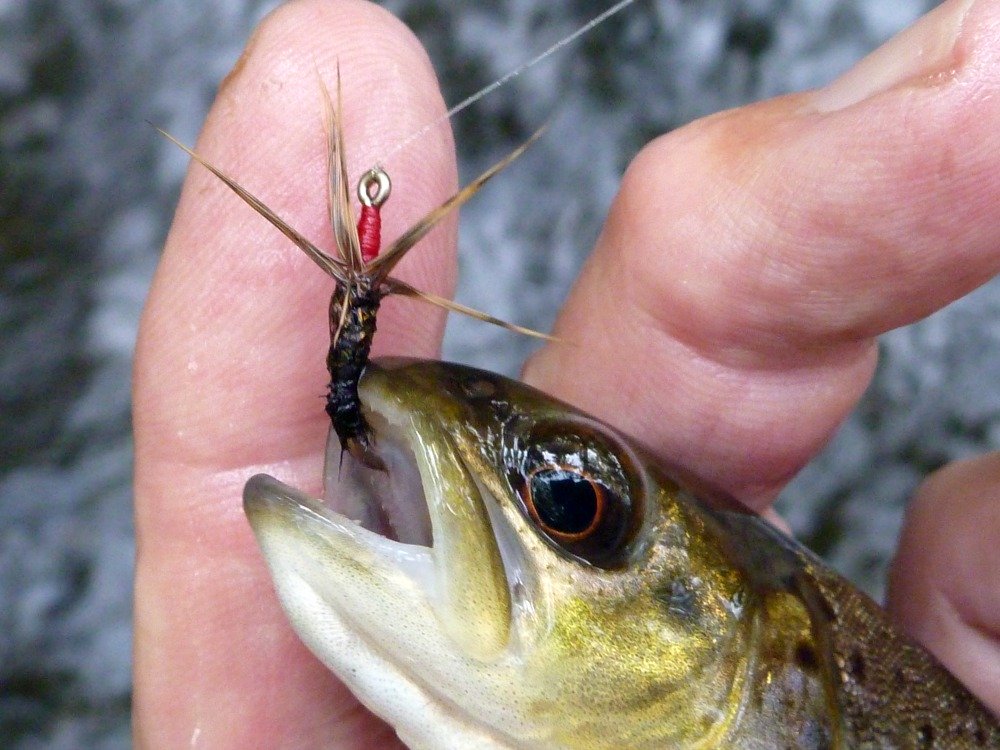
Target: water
x,y
86,191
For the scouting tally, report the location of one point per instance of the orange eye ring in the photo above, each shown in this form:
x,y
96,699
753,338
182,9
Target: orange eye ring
x,y
545,512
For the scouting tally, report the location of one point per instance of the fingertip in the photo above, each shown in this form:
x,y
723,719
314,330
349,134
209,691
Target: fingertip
x,y
237,315
944,583
268,120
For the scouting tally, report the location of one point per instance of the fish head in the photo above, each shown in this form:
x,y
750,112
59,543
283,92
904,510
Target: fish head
x,y
519,576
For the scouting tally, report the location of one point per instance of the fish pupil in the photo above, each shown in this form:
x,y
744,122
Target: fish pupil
x,y
565,502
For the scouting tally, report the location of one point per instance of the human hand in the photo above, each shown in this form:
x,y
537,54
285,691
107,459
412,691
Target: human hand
x,y
751,257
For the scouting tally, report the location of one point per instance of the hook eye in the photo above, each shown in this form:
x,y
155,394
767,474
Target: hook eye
x,y
374,187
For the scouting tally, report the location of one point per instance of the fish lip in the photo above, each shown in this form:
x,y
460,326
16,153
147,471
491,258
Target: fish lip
x,y
270,504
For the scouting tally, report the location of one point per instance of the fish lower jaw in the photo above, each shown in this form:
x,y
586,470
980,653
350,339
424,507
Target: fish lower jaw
x,y
421,719
359,602
392,619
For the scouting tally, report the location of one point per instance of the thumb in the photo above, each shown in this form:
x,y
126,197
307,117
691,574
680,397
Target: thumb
x,y
944,586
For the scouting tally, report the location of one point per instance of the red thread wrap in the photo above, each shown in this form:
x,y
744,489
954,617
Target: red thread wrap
x,y
369,232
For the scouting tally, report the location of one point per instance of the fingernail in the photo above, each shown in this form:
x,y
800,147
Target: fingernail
x,y
923,50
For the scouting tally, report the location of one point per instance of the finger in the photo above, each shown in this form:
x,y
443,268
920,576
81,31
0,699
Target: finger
x,y
230,371
728,312
943,585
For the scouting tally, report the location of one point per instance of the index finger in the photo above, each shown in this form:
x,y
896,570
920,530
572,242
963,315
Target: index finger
x,y
230,374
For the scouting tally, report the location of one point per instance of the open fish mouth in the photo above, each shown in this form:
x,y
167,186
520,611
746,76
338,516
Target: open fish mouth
x,y
413,545
390,503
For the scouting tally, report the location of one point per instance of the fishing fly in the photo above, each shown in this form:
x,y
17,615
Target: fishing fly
x,y
360,270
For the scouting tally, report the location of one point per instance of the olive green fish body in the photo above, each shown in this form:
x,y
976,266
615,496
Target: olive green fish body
x,y
561,591
884,690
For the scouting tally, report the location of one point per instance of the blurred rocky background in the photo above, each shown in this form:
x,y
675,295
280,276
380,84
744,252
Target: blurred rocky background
x,y
87,189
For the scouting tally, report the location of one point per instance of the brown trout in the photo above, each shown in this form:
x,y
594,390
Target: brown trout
x,y
522,576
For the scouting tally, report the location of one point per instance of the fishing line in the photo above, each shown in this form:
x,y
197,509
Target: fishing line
x,y
506,78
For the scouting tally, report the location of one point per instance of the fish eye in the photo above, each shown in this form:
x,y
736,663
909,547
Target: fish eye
x,y
579,494
566,504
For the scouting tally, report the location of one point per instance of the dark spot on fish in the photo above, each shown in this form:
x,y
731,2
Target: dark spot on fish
x,y
707,723
806,657
925,735
479,388
485,392
501,409
856,666
518,592
905,676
